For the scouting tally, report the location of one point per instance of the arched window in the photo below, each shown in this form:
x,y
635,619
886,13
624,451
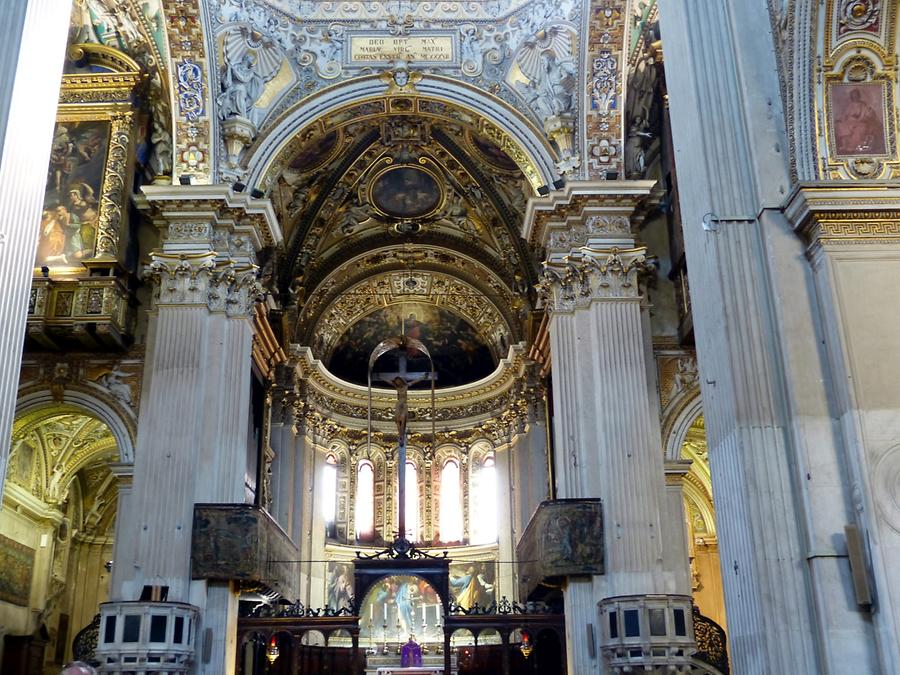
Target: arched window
x,y
483,503
412,502
451,521
329,495
365,501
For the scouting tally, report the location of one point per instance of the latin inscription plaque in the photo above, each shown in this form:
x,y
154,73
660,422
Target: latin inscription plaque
x,y
413,48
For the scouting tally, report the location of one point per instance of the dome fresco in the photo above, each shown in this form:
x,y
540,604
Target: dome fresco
x,y
460,354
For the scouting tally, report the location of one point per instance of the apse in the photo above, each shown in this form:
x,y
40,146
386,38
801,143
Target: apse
x,y
460,354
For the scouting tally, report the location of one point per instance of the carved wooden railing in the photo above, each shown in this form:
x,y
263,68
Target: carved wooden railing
x,y
712,645
85,643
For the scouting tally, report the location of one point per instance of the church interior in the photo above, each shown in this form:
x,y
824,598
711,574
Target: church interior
x,y
359,337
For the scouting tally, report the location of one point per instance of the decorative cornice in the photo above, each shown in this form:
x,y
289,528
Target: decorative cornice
x,y
495,407
219,205
583,211
825,214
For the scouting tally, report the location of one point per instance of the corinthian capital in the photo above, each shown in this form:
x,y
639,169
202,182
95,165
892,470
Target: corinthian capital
x,y
180,279
234,289
592,274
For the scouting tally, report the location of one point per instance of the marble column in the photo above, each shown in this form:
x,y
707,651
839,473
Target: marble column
x,y
284,442
195,409
31,59
775,450
606,420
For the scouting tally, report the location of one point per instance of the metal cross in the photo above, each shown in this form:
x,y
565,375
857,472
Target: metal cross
x,y
402,379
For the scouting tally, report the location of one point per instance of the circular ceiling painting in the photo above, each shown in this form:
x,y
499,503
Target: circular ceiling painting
x,y
405,192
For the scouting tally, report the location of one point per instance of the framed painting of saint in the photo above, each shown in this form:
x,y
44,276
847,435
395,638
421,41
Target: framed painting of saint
x,y
71,213
84,216
857,121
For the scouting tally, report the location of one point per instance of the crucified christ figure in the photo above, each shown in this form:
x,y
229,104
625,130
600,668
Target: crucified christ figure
x,y
401,412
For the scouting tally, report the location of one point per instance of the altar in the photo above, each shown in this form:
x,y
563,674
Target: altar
x,y
388,664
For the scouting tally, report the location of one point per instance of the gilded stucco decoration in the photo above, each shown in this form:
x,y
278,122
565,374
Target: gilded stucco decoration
x,y
419,287
188,61
402,191
48,453
523,53
138,30
424,274
607,30
840,87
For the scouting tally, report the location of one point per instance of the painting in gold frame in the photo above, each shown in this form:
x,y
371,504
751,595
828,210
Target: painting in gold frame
x,y
71,213
857,119
83,221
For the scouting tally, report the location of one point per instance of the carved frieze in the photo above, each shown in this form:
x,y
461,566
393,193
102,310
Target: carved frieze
x,y
827,214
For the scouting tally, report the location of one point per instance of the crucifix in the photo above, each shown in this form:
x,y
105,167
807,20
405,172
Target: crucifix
x,y
401,379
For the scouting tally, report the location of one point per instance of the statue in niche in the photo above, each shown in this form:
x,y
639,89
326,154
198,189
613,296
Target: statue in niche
x,y
635,160
241,87
555,83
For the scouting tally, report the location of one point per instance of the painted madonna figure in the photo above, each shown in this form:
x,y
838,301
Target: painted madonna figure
x,y
411,654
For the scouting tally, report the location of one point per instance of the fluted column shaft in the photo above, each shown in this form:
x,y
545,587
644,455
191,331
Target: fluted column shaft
x,y
606,441
775,452
194,443
31,59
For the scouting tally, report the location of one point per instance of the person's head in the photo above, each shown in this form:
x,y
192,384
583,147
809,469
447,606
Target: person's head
x,y
78,668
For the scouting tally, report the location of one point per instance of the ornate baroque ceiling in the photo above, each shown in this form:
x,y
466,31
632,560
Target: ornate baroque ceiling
x,y
57,455
403,207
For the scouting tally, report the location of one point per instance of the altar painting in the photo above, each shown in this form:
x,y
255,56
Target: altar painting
x,y
339,588
473,583
400,606
71,212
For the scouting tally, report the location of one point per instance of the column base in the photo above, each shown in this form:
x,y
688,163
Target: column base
x,y
146,637
649,633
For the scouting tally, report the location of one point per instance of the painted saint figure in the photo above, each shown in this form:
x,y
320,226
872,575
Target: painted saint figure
x,y
859,127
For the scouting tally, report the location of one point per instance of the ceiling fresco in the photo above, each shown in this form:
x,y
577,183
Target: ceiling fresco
x,y
57,454
460,353
364,180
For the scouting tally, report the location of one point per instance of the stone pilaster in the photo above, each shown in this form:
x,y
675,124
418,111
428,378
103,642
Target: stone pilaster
x,y
606,422
775,451
285,443
192,444
675,542
853,239
32,48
